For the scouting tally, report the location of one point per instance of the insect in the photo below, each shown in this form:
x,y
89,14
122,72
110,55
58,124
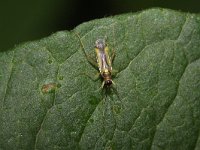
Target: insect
x,y
104,62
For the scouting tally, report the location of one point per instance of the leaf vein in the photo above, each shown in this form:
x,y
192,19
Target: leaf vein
x,y
141,52
196,142
37,134
43,120
9,79
183,26
82,132
168,106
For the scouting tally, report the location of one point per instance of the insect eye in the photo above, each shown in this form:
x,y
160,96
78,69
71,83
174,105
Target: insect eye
x,y
108,82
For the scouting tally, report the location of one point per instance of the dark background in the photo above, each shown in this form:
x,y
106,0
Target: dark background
x,y
25,20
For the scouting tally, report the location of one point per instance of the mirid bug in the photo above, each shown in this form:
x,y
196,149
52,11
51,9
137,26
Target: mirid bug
x,y
104,62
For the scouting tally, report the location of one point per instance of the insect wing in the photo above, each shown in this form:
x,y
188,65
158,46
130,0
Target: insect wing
x,y
103,60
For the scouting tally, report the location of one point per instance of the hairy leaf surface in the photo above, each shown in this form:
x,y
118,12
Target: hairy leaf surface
x,y
49,100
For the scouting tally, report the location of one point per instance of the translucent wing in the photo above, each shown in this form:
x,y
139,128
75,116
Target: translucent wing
x,y
103,61
103,58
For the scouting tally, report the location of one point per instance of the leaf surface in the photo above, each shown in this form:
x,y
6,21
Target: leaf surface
x,y
48,99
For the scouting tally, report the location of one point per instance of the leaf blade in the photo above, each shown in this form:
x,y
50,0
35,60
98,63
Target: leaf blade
x,y
157,55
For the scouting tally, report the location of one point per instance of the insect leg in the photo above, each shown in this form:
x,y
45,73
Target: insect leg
x,y
92,61
102,85
96,77
114,72
88,57
113,56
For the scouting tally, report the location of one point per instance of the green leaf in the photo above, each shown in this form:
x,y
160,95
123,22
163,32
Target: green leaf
x,y
48,99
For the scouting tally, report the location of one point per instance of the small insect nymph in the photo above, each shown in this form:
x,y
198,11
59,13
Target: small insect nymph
x,y
104,62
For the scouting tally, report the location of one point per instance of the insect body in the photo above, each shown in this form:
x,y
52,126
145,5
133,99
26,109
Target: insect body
x,y
104,62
